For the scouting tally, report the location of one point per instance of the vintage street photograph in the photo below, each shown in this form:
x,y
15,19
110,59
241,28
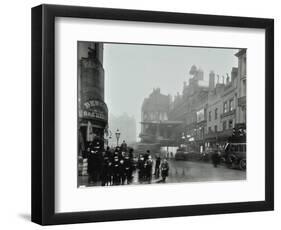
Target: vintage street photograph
x,y
153,114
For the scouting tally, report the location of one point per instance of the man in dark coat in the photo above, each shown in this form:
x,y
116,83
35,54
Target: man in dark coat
x,y
128,167
215,158
141,168
157,167
105,168
116,171
146,155
148,169
94,165
122,172
164,170
124,146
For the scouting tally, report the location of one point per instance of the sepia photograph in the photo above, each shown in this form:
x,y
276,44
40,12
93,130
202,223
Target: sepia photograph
x,y
153,114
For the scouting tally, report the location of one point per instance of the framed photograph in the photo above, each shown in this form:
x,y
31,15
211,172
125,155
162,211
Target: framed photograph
x,y
142,114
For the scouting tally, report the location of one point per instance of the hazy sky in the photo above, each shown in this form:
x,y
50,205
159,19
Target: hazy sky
x,y
132,71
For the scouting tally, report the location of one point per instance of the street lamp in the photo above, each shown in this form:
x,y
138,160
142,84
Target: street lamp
x,y
117,134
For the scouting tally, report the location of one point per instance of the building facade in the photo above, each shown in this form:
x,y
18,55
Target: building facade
x,y
156,129
204,115
190,109
92,110
242,73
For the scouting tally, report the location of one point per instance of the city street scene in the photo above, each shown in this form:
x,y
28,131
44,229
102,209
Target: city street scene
x,y
152,114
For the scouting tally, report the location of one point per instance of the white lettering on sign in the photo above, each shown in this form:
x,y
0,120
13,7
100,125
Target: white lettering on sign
x,y
94,103
94,109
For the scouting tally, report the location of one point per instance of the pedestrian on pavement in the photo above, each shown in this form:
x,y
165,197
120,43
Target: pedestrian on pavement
x,y
145,156
116,171
215,158
171,155
164,170
141,168
94,165
128,166
105,168
157,167
123,146
122,172
109,177
149,165
131,153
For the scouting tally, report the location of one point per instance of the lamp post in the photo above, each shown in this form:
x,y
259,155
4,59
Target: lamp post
x,y
117,134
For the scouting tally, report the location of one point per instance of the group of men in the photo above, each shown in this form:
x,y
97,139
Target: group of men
x,y
116,166
110,166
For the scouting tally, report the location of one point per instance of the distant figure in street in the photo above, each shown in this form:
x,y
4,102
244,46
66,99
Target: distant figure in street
x,y
131,153
128,168
215,159
94,165
164,170
171,154
122,172
141,168
123,146
116,171
157,167
148,169
105,168
146,155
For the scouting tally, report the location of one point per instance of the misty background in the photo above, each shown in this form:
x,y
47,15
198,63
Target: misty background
x,y
132,71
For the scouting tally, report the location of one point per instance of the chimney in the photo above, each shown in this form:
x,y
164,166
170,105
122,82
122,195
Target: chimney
x,y
211,80
234,73
227,79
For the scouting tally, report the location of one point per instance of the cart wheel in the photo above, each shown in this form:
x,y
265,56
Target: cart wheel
x,y
242,164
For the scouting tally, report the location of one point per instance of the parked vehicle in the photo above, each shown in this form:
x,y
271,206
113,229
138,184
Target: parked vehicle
x,y
181,154
235,155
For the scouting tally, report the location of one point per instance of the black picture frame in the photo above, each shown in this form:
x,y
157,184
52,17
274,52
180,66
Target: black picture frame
x,y
43,113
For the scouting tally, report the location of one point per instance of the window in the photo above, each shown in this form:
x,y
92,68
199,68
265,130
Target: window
x,y
225,107
210,129
224,125
216,128
230,124
231,105
210,115
216,113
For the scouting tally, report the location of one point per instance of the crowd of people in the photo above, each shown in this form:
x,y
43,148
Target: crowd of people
x,y
117,166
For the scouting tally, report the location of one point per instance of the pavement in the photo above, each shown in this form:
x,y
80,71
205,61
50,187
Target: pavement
x,y
187,171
